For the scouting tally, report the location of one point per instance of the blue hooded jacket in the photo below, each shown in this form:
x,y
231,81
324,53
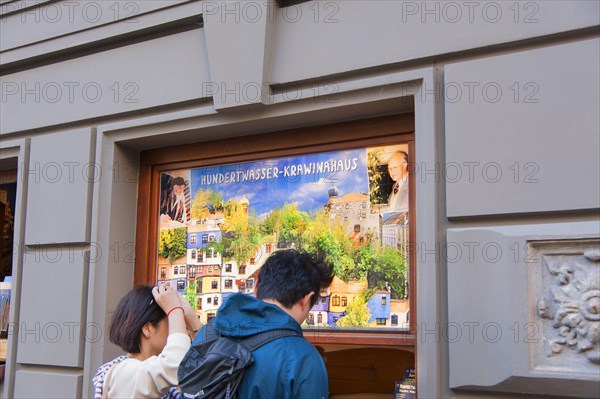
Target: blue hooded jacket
x,y
285,368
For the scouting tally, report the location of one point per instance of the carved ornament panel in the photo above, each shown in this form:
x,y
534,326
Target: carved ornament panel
x,y
566,305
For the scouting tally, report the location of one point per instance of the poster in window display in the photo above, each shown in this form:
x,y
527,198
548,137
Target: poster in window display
x,y
218,224
8,196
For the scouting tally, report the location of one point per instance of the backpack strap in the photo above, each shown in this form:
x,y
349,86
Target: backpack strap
x,y
255,341
252,342
106,383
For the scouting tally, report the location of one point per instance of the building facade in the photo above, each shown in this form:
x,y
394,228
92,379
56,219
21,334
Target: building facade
x,y
502,103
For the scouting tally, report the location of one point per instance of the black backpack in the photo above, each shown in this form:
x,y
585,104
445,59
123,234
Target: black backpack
x,y
213,369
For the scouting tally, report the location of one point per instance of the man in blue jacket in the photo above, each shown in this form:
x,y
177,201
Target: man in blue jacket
x,y
288,286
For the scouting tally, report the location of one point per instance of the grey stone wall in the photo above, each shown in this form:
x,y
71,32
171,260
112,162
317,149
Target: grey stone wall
x,y
506,112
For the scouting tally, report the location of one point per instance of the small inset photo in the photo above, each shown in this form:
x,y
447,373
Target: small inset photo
x,y
388,178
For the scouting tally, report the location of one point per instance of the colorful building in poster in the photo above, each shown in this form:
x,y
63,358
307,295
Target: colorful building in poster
x,y
175,272
353,211
399,313
319,313
209,290
379,308
199,249
341,294
229,275
394,231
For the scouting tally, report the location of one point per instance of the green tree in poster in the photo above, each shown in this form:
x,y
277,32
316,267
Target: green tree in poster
x,y
241,234
172,244
357,312
376,176
272,223
215,201
254,236
289,224
365,257
328,238
190,293
388,268
206,202
199,209
336,251
270,228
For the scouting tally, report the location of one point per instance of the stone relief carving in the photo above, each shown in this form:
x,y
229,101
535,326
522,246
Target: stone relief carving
x,y
571,303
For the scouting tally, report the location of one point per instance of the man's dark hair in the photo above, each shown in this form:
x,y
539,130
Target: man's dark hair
x,y
178,181
134,310
288,275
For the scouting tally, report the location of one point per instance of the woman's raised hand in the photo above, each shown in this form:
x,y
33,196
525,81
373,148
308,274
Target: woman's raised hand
x,y
170,301
166,297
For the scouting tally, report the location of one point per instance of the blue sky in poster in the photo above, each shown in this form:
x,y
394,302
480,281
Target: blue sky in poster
x,y
304,180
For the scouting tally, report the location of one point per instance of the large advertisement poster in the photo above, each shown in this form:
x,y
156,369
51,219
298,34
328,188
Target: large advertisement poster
x,y
218,224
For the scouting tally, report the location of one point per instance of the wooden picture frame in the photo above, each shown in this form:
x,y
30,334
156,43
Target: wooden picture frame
x,y
381,131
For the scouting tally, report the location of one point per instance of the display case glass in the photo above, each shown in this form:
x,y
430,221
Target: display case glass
x,y
213,221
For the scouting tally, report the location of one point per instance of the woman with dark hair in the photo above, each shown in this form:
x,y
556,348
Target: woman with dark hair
x,y
152,325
